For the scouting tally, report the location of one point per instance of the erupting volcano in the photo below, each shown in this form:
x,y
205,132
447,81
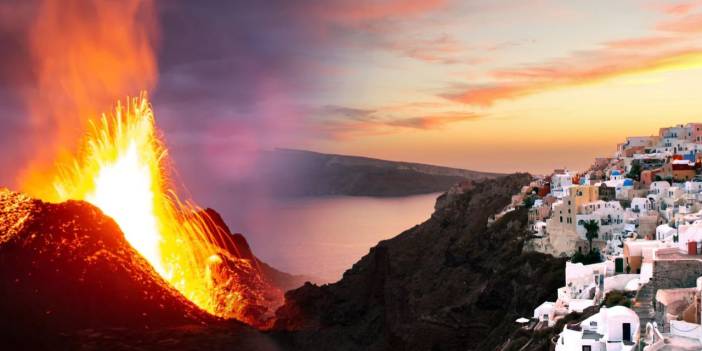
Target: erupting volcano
x,y
122,168
97,237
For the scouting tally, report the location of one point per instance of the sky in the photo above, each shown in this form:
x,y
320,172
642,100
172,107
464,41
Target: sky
x,y
486,85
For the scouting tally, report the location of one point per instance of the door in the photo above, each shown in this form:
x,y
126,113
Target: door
x,y
626,331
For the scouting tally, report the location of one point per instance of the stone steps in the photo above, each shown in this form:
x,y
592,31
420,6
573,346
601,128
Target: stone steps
x,y
643,306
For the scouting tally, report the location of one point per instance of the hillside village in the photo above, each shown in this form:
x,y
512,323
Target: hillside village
x,y
632,225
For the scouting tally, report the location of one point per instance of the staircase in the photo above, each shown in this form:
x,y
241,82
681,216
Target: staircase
x,y
643,306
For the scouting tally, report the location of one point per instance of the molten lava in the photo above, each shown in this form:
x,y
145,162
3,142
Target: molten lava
x,y
122,169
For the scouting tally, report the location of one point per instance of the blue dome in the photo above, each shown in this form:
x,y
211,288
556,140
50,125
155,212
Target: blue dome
x,y
616,173
583,181
628,182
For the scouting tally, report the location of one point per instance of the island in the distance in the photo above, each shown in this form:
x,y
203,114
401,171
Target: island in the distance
x,y
317,174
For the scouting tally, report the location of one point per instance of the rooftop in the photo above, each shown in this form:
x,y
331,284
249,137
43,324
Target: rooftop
x,y
591,335
675,255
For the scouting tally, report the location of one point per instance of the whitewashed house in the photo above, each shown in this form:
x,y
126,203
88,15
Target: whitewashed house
x,y
612,329
584,281
641,204
560,184
659,187
608,214
545,313
664,231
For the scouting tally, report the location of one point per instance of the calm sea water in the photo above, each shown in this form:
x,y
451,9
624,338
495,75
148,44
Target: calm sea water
x,y
323,237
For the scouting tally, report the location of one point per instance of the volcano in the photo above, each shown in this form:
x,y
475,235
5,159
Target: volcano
x,y
67,267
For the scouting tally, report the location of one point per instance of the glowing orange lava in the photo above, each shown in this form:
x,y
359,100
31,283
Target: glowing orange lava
x,y
120,169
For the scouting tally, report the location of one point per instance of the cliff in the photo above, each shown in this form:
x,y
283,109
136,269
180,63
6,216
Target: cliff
x,y
451,283
304,173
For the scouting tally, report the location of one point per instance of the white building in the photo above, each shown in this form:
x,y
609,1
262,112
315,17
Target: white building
x,y
583,280
621,185
659,187
612,329
545,313
608,214
560,184
641,204
664,231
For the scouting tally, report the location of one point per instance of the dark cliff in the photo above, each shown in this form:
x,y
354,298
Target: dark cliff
x,y
451,283
304,173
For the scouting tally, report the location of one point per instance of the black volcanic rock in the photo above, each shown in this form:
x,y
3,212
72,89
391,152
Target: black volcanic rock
x,y
451,283
65,267
68,278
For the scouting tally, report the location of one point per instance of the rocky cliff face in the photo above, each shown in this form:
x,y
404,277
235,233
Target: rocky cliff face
x,y
451,283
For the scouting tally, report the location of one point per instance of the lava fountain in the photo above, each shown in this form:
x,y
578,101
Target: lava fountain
x,y
122,169
86,54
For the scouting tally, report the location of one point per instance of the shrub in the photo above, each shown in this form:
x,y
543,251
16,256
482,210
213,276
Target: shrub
x,y
616,298
593,256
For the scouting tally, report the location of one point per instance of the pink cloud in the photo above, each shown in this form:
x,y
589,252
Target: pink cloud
x,y
443,49
584,68
680,8
687,24
338,122
357,12
643,42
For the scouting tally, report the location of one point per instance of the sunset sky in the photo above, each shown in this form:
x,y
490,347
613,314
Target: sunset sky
x,y
528,85
486,85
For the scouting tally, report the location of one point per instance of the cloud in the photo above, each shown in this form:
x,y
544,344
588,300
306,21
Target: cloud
x,y
364,11
581,68
339,122
680,8
649,42
689,24
434,121
443,49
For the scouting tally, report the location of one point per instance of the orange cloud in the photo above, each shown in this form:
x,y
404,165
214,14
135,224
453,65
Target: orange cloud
x,y
356,12
434,121
681,8
643,42
687,24
587,68
340,122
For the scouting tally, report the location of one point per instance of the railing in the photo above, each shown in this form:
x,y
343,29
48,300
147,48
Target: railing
x,y
653,338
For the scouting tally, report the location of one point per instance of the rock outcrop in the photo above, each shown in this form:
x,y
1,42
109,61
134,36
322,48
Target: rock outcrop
x,y
451,283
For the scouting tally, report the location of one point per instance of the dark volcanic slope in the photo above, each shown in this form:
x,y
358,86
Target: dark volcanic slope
x,y
305,173
68,277
450,283
66,266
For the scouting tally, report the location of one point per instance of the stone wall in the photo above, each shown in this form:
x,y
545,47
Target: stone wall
x,y
673,274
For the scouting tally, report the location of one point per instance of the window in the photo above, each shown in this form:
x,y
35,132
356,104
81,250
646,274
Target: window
x,y
587,348
561,219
